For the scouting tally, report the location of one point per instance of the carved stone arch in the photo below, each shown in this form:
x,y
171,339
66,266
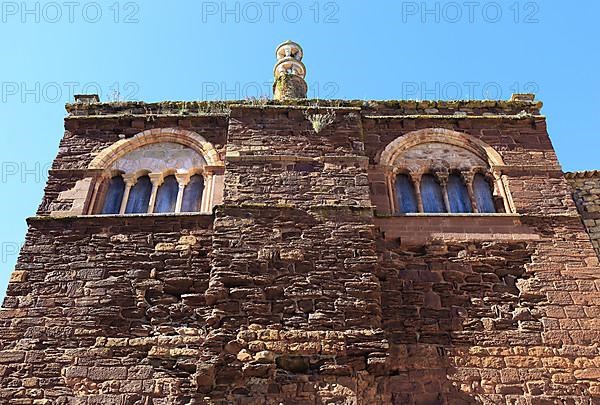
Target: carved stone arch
x,y
440,135
158,135
211,167
135,176
199,171
401,170
422,152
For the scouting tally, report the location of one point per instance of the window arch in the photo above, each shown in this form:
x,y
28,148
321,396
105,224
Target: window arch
x,y
192,196
139,196
406,196
166,196
182,172
461,174
114,196
432,195
484,198
458,195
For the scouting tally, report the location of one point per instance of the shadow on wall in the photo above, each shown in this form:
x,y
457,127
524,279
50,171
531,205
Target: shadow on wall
x,y
451,311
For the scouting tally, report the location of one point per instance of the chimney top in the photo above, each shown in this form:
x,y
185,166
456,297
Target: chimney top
x,y
289,48
289,72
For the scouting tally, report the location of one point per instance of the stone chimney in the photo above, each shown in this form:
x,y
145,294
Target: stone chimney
x,y
289,72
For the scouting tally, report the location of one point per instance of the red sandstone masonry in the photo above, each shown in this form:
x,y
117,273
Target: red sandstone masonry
x,y
301,289
586,193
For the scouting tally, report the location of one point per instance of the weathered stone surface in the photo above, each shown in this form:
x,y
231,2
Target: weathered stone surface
x,y
586,192
301,288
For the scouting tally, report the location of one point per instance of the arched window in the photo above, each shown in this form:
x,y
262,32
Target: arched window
x,y
484,197
431,194
114,196
163,157
443,153
166,196
139,196
458,195
405,195
192,196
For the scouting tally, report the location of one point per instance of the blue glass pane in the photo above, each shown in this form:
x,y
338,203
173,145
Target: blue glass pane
x,y
166,196
458,195
405,193
192,196
139,196
483,195
114,196
431,193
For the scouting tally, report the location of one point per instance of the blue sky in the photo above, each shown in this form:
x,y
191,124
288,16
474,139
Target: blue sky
x,y
194,50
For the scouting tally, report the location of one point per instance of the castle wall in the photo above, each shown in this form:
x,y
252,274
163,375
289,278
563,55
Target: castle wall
x,y
90,298
301,288
586,193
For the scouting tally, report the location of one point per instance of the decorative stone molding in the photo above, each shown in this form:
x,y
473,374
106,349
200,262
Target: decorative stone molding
x,y
87,195
440,135
158,135
422,152
77,196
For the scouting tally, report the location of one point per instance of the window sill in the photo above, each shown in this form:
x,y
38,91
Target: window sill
x,y
420,229
171,214
67,216
202,220
447,215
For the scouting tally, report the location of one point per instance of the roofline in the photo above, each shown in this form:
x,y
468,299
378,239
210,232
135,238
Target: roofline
x,y
584,174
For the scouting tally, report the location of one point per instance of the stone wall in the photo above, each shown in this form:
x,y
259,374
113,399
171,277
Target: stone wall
x,y
492,321
83,284
586,193
301,288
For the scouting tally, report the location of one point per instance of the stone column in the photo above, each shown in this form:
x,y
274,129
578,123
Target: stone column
x,y
130,180
207,194
443,179
156,179
497,175
416,179
468,177
98,183
393,198
182,179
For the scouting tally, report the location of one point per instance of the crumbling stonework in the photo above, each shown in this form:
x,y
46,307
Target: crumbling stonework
x,y
302,286
586,192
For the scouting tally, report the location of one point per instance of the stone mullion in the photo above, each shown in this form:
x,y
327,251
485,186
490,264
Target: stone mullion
x,y
207,193
130,181
497,176
393,198
93,199
157,180
468,177
443,179
416,179
182,180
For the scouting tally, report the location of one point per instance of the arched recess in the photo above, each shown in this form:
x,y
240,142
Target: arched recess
x,y
401,157
440,135
158,135
211,166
